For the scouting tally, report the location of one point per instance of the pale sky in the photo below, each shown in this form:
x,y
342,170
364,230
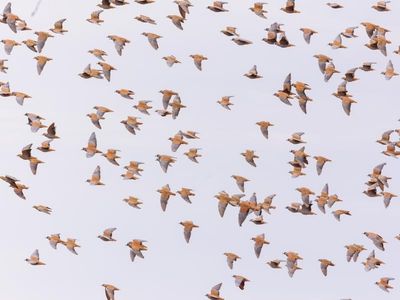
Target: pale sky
x,y
173,269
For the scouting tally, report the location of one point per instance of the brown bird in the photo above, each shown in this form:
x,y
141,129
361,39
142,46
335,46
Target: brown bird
x,y
20,97
296,138
259,242
307,34
240,281
136,247
230,31
165,194
225,102
45,146
95,17
43,209
346,104
119,43
249,157
198,59
231,258
240,181
349,32
337,43
42,37
389,72
171,60
106,70
145,19
353,251
96,177
111,156
9,45
71,244
41,62
176,20
107,235
127,94
334,5
105,4
253,73
54,240
132,124
320,163
372,262
290,7
58,27
143,106
214,294
218,6
133,201
51,132
31,44
91,148
193,154
275,264
165,161
376,239
34,259
167,95
264,127
186,193
258,9
381,6
88,72
383,283
187,229
241,42
110,291
152,38
325,263
322,61
339,212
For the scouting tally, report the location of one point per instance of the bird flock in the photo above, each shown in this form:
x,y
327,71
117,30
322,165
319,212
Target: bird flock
x,y
246,204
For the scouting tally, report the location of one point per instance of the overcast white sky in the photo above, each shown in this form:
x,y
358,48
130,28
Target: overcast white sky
x,y
171,268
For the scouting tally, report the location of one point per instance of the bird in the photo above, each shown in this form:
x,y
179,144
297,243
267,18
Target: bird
x,y
383,283
165,194
9,45
296,138
43,209
381,6
135,248
177,20
334,5
253,73
96,177
145,19
258,9
240,181
308,33
42,37
240,281
91,148
186,193
225,102
290,7
249,157
71,244
187,229
198,60
214,293
230,31
171,60
275,264
133,202
389,72
217,6
98,53
152,38
58,27
325,263
259,242
34,259
54,240
95,17
110,291
320,163
106,68
111,156
125,93
376,239
107,235
340,212
231,258
264,125
372,262
119,43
